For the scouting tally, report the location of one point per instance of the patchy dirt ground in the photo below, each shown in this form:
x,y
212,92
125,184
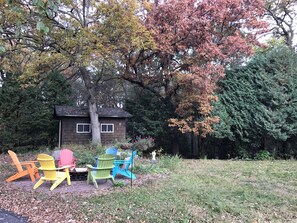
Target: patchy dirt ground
x,y
59,205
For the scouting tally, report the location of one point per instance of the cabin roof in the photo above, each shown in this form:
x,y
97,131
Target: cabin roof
x,y
75,111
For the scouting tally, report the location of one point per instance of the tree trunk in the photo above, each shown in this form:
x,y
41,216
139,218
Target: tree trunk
x,y
175,146
93,110
195,153
96,135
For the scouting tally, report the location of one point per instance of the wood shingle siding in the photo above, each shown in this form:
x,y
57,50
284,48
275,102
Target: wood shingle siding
x,y
68,133
71,116
119,130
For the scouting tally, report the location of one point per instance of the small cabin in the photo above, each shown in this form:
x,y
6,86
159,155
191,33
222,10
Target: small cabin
x,y
75,124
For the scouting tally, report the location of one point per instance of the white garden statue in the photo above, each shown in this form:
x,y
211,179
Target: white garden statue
x,y
154,157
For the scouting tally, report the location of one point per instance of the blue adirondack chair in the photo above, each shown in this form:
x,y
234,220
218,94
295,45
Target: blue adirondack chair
x,y
122,167
111,150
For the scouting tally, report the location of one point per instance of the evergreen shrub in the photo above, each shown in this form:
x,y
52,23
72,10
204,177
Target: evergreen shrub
x,y
263,155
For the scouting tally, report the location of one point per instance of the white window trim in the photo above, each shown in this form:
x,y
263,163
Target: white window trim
x,y
77,124
107,131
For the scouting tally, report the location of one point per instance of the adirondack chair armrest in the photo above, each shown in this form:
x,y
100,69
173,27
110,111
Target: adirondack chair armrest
x,y
64,167
28,162
55,169
119,162
91,168
103,168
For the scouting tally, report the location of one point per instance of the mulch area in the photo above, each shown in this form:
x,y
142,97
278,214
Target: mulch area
x,y
60,205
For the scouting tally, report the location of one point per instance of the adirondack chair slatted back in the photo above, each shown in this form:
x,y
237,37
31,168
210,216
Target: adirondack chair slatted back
x,y
47,165
103,156
66,157
112,150
15,160
106,156
105,164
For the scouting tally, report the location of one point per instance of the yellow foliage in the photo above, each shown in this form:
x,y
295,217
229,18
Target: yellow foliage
x,y
107,31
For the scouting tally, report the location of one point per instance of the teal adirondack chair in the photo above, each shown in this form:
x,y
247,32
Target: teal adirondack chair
x,y
102,171
122,167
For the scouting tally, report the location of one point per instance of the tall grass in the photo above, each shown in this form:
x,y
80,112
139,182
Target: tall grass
x,y
163,164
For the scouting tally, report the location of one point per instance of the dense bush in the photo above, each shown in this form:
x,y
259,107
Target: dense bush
x,y
263,155
143,143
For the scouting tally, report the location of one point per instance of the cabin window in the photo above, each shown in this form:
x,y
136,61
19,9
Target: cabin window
x,y
107,128
83,128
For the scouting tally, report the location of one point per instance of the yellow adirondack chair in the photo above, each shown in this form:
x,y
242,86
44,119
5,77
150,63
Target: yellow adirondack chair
x,y
30,170
51,173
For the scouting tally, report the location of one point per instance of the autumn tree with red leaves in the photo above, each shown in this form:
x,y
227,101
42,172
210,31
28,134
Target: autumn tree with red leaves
x,y
194,41
176,49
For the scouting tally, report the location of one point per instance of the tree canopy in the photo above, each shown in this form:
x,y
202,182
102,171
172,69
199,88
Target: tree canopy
x,y
194,40
176,49
27,113
258,102
80,36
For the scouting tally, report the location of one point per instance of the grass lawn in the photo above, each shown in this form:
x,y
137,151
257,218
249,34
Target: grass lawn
x,y
196,191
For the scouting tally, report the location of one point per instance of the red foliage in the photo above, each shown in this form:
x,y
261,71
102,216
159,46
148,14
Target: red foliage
x,y
194,40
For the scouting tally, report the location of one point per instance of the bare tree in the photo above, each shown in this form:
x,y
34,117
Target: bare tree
x,y
283,15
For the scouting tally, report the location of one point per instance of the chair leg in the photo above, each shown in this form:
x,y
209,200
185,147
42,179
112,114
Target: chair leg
x,y
68,180
31,173
17,176
115,171
112,180
127,173
57,183
39,182
94,182
37,174
68,177
88,177
12,178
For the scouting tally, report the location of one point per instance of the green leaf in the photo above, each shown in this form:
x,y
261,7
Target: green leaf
x,y
48,12
2,49
46,29
52,5
17,33
41,27
34,2
40,3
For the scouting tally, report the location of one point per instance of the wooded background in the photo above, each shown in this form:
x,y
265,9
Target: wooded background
x,y
194,75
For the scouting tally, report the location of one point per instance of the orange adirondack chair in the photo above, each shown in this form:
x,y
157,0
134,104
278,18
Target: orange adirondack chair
x,y
31,168
67,159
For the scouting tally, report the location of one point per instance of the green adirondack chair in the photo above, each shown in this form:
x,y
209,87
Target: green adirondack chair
x,y
102,171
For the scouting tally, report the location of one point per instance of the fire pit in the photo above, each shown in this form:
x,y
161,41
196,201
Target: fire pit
x,y
79,174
